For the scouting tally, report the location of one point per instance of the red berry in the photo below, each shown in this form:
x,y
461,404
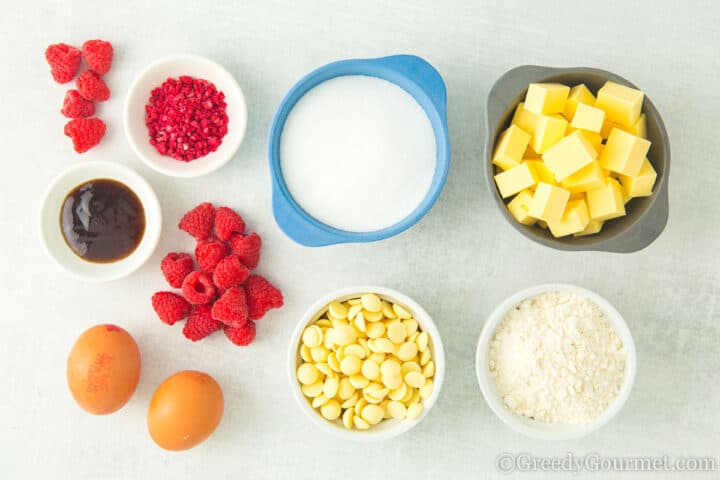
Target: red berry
x,y
85,133
261,296
197,288
92,87
230,272
98,55
200,323
231,308
227,222
209,254
175,267
247,248
242,335
198,222
170,307
64,61
75,106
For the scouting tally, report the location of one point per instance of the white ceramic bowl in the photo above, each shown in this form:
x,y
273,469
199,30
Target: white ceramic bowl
x,y
387,428
55,243
534,428
174,67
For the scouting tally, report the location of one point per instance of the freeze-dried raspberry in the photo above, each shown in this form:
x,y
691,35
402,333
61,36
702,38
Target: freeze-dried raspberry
x,y
228,222
85,133
98,55
231,308
198,222
75,106
261,296
198,288
170,307
64,61
92,87
175,267
247,248
242,335
209,253
200,323
230,272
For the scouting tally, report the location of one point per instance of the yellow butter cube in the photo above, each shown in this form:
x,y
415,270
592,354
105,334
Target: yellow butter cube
x,y
569,155
594,138
542,172
574,219
593,227
549,202
524,119
606,202
589,177
640,185
578,94
515,180
510,147
621,104
549,130
608,126
588,118
546,98
624,152
639,128
519,207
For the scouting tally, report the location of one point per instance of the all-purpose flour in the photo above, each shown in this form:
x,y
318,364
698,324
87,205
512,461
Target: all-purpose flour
x,y
555,358
358,153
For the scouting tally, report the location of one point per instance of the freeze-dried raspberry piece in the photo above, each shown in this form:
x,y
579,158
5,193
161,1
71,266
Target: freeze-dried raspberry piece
x,y
231,308
200,323
209,254
198,222
170,307
228,222
92,87
175,267
98,55
198,288
64,61
75,106
261,296
247,248
242,335
230,272
85,133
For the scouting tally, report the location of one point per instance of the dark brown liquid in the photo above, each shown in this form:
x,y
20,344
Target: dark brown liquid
x,y
102,220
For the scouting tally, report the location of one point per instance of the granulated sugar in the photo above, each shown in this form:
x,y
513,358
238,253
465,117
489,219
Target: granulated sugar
x,y
358,153
554,358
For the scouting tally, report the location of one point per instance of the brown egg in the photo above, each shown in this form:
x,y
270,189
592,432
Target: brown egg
x,y
184,410
103,369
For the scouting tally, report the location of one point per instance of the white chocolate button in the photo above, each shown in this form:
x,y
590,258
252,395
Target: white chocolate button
x,y
390,367
313,390
345,389
372,414
392,381
312,336
415,379
422,341
337,310
376,330
396,332
355,350
414,410
407,351
358,381
371,302
400,311
330,387
429,369
427,389
307,374
372,316
370,370
331,410
351,365
387,310
360,424
347,418
397,410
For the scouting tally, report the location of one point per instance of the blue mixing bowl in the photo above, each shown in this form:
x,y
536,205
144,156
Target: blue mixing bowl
x,y
414,75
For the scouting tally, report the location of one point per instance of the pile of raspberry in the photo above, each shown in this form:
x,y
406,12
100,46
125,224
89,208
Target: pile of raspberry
x,y
186,118
85,130
222,293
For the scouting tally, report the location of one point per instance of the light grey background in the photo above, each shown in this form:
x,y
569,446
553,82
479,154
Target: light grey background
x,y
459,262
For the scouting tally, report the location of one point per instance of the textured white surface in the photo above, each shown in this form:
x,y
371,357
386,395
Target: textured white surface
x,y
458,262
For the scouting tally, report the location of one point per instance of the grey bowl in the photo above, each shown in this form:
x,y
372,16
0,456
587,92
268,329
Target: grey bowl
x,y
646,217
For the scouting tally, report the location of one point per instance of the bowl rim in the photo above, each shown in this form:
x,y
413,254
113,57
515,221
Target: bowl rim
x,y
619,242
521,424
419,314
148,199
193,169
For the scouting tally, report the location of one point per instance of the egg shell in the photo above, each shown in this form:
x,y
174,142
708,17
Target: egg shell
x,y
103,369
185,410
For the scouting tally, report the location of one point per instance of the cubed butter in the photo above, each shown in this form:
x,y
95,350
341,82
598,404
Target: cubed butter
x,y
640,185
624,152
588,118
515,180
594,138
524,119
606,202
621,104
569,155
589,177
593,227
542,172
510,147
519,207
549,202
608,126
549,130
578,94
546,98
639,128
575,219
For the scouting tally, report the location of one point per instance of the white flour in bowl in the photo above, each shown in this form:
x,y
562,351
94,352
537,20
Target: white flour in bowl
x,y
358,153
554,358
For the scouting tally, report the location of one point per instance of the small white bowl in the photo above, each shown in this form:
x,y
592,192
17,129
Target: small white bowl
x,y
387,428
543,430
54,241
174,67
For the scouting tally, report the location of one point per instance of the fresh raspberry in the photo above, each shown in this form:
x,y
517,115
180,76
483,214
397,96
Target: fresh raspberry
x,y
209,253
231,308
198,288
242,335
247,248
64,61
92,87
85,133
198,222
230,272
98,55
227,222
200,323
170,307
175,267
75,106
261,296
